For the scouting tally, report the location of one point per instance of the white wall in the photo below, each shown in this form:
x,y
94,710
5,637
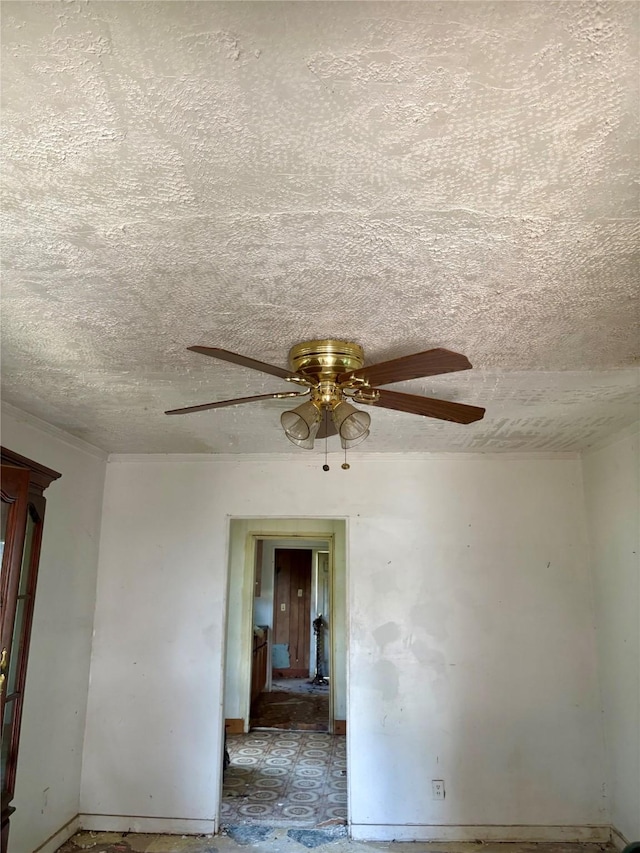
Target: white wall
x,y
58,675
470,639
611,483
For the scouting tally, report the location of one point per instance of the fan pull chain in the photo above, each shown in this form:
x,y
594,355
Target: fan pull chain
x,y
325,467
345,464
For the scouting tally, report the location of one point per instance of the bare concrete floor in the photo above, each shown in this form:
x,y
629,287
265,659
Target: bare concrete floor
x,y
281,841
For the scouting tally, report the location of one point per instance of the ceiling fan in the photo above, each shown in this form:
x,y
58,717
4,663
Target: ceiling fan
x,y
332,373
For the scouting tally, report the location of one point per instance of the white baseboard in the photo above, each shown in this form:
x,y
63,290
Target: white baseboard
x,y
358,832
421,832
136,823
58,838
617,839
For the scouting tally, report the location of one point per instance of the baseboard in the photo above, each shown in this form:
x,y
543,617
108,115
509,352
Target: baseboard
x,y
339,727
617,839
58,838
358,832
234,726
441,834
138,823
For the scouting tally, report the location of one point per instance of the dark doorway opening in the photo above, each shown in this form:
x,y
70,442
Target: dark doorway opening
x,y
291,613
298,698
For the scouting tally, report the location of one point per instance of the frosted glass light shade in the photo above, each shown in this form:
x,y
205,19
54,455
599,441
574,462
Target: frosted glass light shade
x,y
347,444
351,423
301,425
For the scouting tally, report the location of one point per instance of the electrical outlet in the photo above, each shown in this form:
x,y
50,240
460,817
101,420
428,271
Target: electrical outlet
x,y
437,789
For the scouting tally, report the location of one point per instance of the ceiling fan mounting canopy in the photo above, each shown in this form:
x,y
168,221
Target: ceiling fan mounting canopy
x,y
325,360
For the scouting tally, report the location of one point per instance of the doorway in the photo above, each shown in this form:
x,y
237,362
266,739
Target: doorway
x,y
291,613
295,694
285,675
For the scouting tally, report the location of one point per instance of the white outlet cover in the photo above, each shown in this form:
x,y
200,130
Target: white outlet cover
x,y
437,789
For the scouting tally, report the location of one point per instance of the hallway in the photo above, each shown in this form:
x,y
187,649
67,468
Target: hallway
x,y
285,778
295,704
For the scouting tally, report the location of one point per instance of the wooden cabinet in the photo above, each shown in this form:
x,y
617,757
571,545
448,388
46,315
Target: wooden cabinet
x,y
21,488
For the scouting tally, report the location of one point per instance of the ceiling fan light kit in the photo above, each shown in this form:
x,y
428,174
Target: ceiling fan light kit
x,y
333,374
301,425
351,423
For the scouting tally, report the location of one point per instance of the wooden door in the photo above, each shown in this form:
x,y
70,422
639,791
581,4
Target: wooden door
x,y
292,613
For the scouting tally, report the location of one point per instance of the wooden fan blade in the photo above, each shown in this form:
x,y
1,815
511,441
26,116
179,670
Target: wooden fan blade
x,y
444,410
432,362
222,403
245,361
327,426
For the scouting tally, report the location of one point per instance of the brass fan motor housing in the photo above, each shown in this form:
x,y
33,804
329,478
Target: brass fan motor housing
x,y
324,361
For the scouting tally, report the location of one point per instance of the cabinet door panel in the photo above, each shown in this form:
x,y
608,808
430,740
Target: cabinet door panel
x,y
14,492
22,516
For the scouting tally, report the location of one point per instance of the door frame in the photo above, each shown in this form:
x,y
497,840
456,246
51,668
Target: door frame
x,y
240,557
251,545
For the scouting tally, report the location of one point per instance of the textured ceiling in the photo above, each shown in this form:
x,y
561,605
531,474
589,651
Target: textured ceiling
x,y
250,175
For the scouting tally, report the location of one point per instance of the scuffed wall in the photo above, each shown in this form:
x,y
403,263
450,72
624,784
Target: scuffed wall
x,y
470,643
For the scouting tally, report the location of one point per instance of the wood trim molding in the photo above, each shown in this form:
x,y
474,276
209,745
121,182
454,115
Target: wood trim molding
x,y
58,838
339,727
22,417
617,839
441,834
142,823
234,726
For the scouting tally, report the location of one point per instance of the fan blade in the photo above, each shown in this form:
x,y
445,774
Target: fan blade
x,y
444,410
222,403
432,362
327,426
245,361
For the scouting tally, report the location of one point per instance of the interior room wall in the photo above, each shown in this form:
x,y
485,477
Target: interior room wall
x,y
471,652
612,486
48,780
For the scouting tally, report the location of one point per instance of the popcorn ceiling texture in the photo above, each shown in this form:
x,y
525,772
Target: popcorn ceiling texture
x,y
250,175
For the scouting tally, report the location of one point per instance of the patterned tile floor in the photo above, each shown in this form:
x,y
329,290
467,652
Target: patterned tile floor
x,y
285,778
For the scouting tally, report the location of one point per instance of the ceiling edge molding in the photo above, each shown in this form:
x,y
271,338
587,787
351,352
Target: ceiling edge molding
x,y
336,458
630,431
6,409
